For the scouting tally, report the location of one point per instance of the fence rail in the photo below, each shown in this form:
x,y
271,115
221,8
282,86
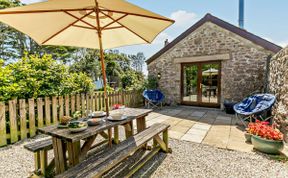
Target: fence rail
x,y
19,119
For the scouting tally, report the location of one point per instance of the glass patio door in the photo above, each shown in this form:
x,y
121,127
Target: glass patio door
x,y
200,84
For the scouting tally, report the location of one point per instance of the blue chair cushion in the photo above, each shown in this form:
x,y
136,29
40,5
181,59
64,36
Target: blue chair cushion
x,y
255,104
155,96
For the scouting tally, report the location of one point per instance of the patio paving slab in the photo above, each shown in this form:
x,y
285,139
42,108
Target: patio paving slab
x,y
240,146
180,129
175,134
222,122
207,121
202,126
186,123
193,138
205,126
198,114
223,118
196,131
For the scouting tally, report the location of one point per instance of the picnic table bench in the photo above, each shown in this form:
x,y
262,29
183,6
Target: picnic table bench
x,y
63,141
96,166
40,149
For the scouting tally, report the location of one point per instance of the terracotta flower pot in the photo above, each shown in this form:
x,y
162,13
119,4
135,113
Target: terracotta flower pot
x,y
267,146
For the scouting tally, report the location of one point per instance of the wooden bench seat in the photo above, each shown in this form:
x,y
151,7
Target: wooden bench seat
x,y
39,145
40,150
96,166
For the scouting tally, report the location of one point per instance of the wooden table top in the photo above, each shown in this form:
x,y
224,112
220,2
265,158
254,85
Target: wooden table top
x,y
65,134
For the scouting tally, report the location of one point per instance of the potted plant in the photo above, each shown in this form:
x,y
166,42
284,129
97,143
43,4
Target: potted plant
x,y
250,129
265,138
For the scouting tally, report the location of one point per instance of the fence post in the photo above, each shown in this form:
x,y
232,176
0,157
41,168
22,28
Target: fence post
x,y
22,111
32,129
40,112
96,101
13,121
78,104
3,137
61,107
54,110
83,104
47,111
72,104
67,107
123,97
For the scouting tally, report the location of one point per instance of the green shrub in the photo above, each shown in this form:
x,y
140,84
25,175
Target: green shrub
x,y
35,76
132,80
151,82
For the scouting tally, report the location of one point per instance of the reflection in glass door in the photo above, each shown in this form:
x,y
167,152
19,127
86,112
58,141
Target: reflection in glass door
x,y
201,84
209,83
190,83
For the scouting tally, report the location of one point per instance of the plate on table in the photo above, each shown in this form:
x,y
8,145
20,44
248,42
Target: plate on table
x,y
116,117
94,121
97,114
61,126
77,126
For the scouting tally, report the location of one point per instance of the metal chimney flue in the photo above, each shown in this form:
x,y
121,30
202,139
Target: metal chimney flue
x,y
241,13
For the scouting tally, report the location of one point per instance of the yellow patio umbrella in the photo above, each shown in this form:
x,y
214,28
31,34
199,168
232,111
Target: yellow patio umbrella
x,y
97,24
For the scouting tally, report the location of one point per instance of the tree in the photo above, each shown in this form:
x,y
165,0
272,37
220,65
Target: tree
x,y
132,80
87,61
14,44
8,36
137,61
35,76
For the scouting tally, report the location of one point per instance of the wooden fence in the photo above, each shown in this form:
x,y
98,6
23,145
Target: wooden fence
x,y
19,119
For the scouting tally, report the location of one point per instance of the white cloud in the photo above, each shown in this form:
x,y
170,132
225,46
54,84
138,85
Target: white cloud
x,y
162,37
183,18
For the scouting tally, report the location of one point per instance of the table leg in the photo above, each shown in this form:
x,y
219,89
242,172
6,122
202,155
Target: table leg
x,y
58,147
116,135
107,136
73,153
110,137
141,124
86,147
129,129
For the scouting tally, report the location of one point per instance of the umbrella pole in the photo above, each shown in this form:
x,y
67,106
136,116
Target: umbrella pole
x,y
102,56
103,72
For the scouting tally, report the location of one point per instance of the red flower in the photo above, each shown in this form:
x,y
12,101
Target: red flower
x,y
117,106
263,130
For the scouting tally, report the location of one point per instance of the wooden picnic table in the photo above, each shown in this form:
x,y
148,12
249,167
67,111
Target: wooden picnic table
x,y
64,140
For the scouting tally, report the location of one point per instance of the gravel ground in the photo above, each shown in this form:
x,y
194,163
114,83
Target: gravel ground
x,y
16,162
187,160
197,160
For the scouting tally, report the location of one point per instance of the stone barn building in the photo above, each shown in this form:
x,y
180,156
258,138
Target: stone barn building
x,y
278,85
211,62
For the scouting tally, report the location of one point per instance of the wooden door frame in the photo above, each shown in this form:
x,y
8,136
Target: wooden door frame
x,y
199,78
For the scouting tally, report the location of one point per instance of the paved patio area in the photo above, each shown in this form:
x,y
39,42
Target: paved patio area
x,y
202,125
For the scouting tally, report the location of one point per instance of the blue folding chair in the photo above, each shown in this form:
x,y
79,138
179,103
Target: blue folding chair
x,y
255,106
153,98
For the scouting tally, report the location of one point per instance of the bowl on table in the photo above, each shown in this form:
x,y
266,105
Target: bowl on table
x,y
97,114
94,121
117,117
77,126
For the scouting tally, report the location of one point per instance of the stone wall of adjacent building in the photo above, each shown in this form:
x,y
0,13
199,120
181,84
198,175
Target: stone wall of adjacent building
x,y
278,82
242,74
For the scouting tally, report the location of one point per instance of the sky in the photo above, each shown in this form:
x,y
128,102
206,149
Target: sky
x,y
265,18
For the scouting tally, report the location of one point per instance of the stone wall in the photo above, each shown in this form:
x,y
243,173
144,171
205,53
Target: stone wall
x,y
278,83
242,74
